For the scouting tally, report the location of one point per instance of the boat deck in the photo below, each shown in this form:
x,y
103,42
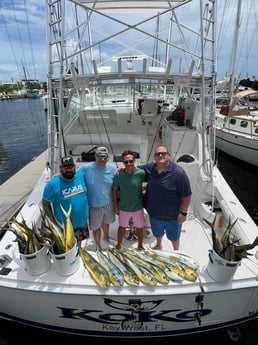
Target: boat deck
x,y
193,234
81,282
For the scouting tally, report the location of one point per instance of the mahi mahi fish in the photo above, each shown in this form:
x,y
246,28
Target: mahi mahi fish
x,y
143,275
115,275
97,272
26,237
172,272
226,246
175,266
181,258
58,239
69,231
129,275
157,273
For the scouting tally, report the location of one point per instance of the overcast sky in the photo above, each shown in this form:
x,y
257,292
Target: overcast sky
x,y
23,38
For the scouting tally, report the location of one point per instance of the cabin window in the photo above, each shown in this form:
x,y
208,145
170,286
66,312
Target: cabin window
x,y
244,124
256,131
232,121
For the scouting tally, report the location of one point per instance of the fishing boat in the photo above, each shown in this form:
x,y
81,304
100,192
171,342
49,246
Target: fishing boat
x,y
237,127
112,82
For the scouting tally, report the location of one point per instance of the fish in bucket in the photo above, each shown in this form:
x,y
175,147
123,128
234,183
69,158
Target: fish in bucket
x,y
226,255
33,252
65,251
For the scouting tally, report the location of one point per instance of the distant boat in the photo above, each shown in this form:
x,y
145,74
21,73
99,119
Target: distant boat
x,y
237,118
34,94
237,128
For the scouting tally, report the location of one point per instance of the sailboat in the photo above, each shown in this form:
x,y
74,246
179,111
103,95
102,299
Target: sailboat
x,y
237,127
237,119
113,82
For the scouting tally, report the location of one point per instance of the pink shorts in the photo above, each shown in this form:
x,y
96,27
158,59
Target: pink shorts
x,y
137,217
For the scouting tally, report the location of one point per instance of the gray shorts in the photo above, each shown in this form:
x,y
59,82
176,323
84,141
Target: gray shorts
x,y
101,215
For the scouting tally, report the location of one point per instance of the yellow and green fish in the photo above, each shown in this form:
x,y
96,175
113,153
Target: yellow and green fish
x,y
97,272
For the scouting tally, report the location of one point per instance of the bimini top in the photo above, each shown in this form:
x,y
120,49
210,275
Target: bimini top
x,y
245,93
130,6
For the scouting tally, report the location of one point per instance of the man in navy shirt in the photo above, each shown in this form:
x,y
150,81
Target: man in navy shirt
x,y
168,197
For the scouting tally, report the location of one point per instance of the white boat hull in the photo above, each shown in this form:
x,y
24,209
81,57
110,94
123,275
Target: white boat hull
x,y
85,309
130,103
237,146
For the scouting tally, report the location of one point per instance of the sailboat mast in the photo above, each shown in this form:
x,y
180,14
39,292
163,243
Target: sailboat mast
x,y
25,75
234,50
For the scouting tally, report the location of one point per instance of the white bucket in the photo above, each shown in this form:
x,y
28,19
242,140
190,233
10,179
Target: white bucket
x,y
220,269
67,263
38,262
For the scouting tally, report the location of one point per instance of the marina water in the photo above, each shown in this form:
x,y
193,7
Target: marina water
x,y
23,136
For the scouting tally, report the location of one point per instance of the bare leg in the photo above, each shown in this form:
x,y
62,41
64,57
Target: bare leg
x,y
175,244
120,236
97,236
105,228
158,242
140,235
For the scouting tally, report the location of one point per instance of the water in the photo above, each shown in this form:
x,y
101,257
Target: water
x,y
23,135
242,178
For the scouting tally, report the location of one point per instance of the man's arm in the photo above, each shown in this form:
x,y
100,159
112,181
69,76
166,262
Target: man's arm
x,y
184,209
48,210
185,204
115,192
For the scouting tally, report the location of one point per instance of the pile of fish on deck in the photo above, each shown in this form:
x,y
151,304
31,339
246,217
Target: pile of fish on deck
x,y
133,266
117,267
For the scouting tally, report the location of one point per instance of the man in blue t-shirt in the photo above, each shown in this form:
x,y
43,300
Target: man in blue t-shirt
x,y
99,180
68,189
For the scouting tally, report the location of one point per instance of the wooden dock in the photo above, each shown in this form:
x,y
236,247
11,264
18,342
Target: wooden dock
x,y
14,191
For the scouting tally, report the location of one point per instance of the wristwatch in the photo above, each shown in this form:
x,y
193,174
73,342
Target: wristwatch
x,y
184,213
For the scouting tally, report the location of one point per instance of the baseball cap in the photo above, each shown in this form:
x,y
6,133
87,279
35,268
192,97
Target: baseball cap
x,y
101,149
68,160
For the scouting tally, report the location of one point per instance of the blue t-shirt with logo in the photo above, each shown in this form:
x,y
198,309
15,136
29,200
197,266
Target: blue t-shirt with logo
x,y
72,193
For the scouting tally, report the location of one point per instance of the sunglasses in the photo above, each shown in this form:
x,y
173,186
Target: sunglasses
x,y
158,154
127,162
103,157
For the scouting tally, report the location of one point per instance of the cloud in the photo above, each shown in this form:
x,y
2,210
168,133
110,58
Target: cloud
x,y
22,40
24,48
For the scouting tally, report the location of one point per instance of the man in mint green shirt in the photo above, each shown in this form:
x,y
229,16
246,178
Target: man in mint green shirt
x,y
128,199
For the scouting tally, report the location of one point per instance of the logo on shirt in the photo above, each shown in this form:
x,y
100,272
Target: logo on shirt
x,y
68,192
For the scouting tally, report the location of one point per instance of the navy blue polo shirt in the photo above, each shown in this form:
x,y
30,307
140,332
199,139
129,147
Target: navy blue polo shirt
x,y
165,191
